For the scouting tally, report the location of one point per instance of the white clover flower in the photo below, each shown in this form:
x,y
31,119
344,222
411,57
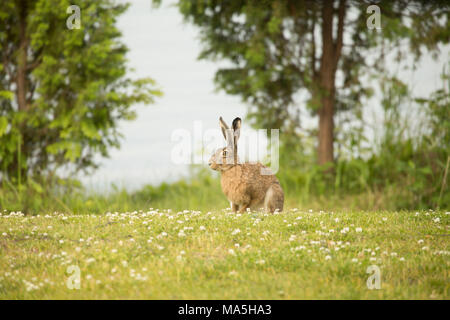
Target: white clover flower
x,y
393,254
402,259
90,260
358,229
354,260
114,250
437,220
231,251
260,261
233,273
373,259
384,219
4,234
420,241
425,248
235,231
202,228
328,257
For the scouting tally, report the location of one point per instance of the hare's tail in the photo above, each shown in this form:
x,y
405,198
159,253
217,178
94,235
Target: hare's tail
x,y
274,198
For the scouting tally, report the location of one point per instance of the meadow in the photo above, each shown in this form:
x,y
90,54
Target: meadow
x,y
190,254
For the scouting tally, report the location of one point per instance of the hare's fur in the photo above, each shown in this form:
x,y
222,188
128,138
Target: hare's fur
x,y
246,185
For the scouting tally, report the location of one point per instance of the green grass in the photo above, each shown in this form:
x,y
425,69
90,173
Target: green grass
x,y
292,255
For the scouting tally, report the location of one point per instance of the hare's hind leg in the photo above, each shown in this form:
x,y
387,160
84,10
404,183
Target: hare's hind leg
x,y
274,198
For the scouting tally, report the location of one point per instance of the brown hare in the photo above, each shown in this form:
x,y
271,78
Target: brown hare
x,y
246,185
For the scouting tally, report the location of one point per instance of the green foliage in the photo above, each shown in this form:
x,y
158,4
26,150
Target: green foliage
x,y
76,86
274,50
201,191
406,168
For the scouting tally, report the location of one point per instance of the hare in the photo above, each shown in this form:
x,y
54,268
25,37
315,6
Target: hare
x,y
246,185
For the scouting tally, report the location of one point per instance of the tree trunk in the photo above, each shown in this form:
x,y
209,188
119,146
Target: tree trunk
x,y
331,50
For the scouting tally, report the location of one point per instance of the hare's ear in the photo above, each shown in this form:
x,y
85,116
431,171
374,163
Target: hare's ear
x,y
224,127
227,133
236,133
236,128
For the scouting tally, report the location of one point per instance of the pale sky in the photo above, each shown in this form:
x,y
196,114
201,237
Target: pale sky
x,y
164,48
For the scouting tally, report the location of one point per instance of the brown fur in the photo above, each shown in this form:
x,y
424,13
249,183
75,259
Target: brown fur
x,y
244,185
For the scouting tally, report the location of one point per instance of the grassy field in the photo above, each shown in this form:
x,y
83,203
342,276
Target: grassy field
x,y
164,254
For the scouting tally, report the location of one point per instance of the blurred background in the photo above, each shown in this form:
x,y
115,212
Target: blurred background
x,y
358,89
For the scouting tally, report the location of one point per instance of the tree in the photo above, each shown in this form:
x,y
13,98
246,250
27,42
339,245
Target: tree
x,y
280,50
62,91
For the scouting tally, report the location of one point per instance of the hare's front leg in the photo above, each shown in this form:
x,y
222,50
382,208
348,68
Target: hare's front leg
x,y
234,207
243,208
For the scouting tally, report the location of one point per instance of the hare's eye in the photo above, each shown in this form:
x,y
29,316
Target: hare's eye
x,y
224,153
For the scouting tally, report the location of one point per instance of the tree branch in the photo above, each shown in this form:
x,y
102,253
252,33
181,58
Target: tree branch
x,y
313,47
340,31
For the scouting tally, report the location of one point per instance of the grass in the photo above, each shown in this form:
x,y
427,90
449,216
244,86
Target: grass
x,y
163,254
